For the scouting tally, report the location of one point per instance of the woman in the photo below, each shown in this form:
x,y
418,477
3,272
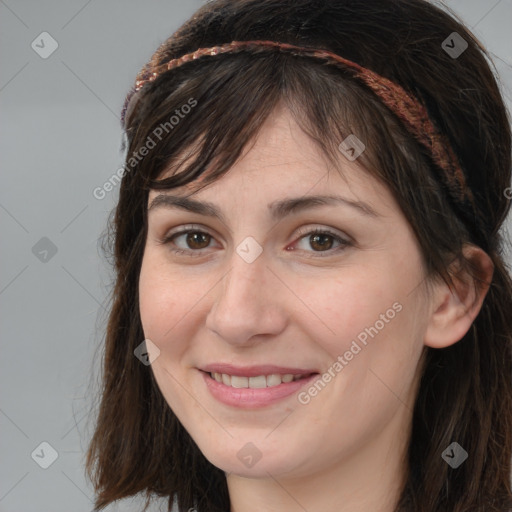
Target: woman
x,y
311,309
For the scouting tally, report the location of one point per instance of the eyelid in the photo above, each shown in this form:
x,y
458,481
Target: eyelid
x,y
326,230
341,237
344,241
183,229
191,226
301,231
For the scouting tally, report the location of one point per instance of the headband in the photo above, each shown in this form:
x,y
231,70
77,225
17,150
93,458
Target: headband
x,y
413,114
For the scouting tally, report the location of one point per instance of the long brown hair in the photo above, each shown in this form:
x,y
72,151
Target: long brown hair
x,y
465,393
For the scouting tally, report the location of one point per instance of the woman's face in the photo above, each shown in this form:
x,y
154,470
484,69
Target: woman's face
x,y
251,293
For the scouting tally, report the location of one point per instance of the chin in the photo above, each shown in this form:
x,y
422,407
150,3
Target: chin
x,y
249,459
261,469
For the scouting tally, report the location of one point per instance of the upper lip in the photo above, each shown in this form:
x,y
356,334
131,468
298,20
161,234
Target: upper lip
x,y
254,371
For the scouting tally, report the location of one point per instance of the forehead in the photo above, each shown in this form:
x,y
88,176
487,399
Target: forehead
x,y
283,160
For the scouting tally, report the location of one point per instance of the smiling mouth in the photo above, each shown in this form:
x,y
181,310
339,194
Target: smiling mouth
x,y
257,382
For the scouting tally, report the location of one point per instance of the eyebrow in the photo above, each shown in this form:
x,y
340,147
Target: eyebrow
x,y
278,209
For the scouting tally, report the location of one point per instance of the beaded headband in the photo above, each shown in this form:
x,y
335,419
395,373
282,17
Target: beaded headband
x,y
407,108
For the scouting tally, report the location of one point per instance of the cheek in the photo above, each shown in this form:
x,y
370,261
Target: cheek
x,y
173,308
373,322
162,299
342,308
165,309
372,342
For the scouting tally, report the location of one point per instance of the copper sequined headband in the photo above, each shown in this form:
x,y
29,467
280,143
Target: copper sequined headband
x,y
412,113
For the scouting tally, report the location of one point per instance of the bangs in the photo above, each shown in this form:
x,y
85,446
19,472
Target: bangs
x,y
233,97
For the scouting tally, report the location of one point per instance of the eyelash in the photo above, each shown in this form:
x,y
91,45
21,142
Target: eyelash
x,y
302,233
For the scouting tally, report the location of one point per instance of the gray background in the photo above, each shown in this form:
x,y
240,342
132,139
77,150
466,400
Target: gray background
x,y
60,139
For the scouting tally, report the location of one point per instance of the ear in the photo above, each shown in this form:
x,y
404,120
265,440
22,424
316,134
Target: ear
x,y
454,309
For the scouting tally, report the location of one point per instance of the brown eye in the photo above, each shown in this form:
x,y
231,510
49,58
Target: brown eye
x,y
318,241
321,242
197,240
190,241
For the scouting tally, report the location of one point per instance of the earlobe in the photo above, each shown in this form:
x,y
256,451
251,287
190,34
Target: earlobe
x,y
455,308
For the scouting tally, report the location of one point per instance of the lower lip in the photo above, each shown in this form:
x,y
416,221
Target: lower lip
x,y
251,398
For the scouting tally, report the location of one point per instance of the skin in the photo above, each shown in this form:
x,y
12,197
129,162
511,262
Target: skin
x,y
301,307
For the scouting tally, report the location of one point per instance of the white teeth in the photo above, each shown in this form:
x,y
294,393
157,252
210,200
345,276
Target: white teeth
x,y
259,382
239,382
274,380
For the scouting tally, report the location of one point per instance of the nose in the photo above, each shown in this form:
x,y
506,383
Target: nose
x,y
248,303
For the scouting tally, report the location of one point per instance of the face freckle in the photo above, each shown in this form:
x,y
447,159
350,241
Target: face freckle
x,y
349,316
